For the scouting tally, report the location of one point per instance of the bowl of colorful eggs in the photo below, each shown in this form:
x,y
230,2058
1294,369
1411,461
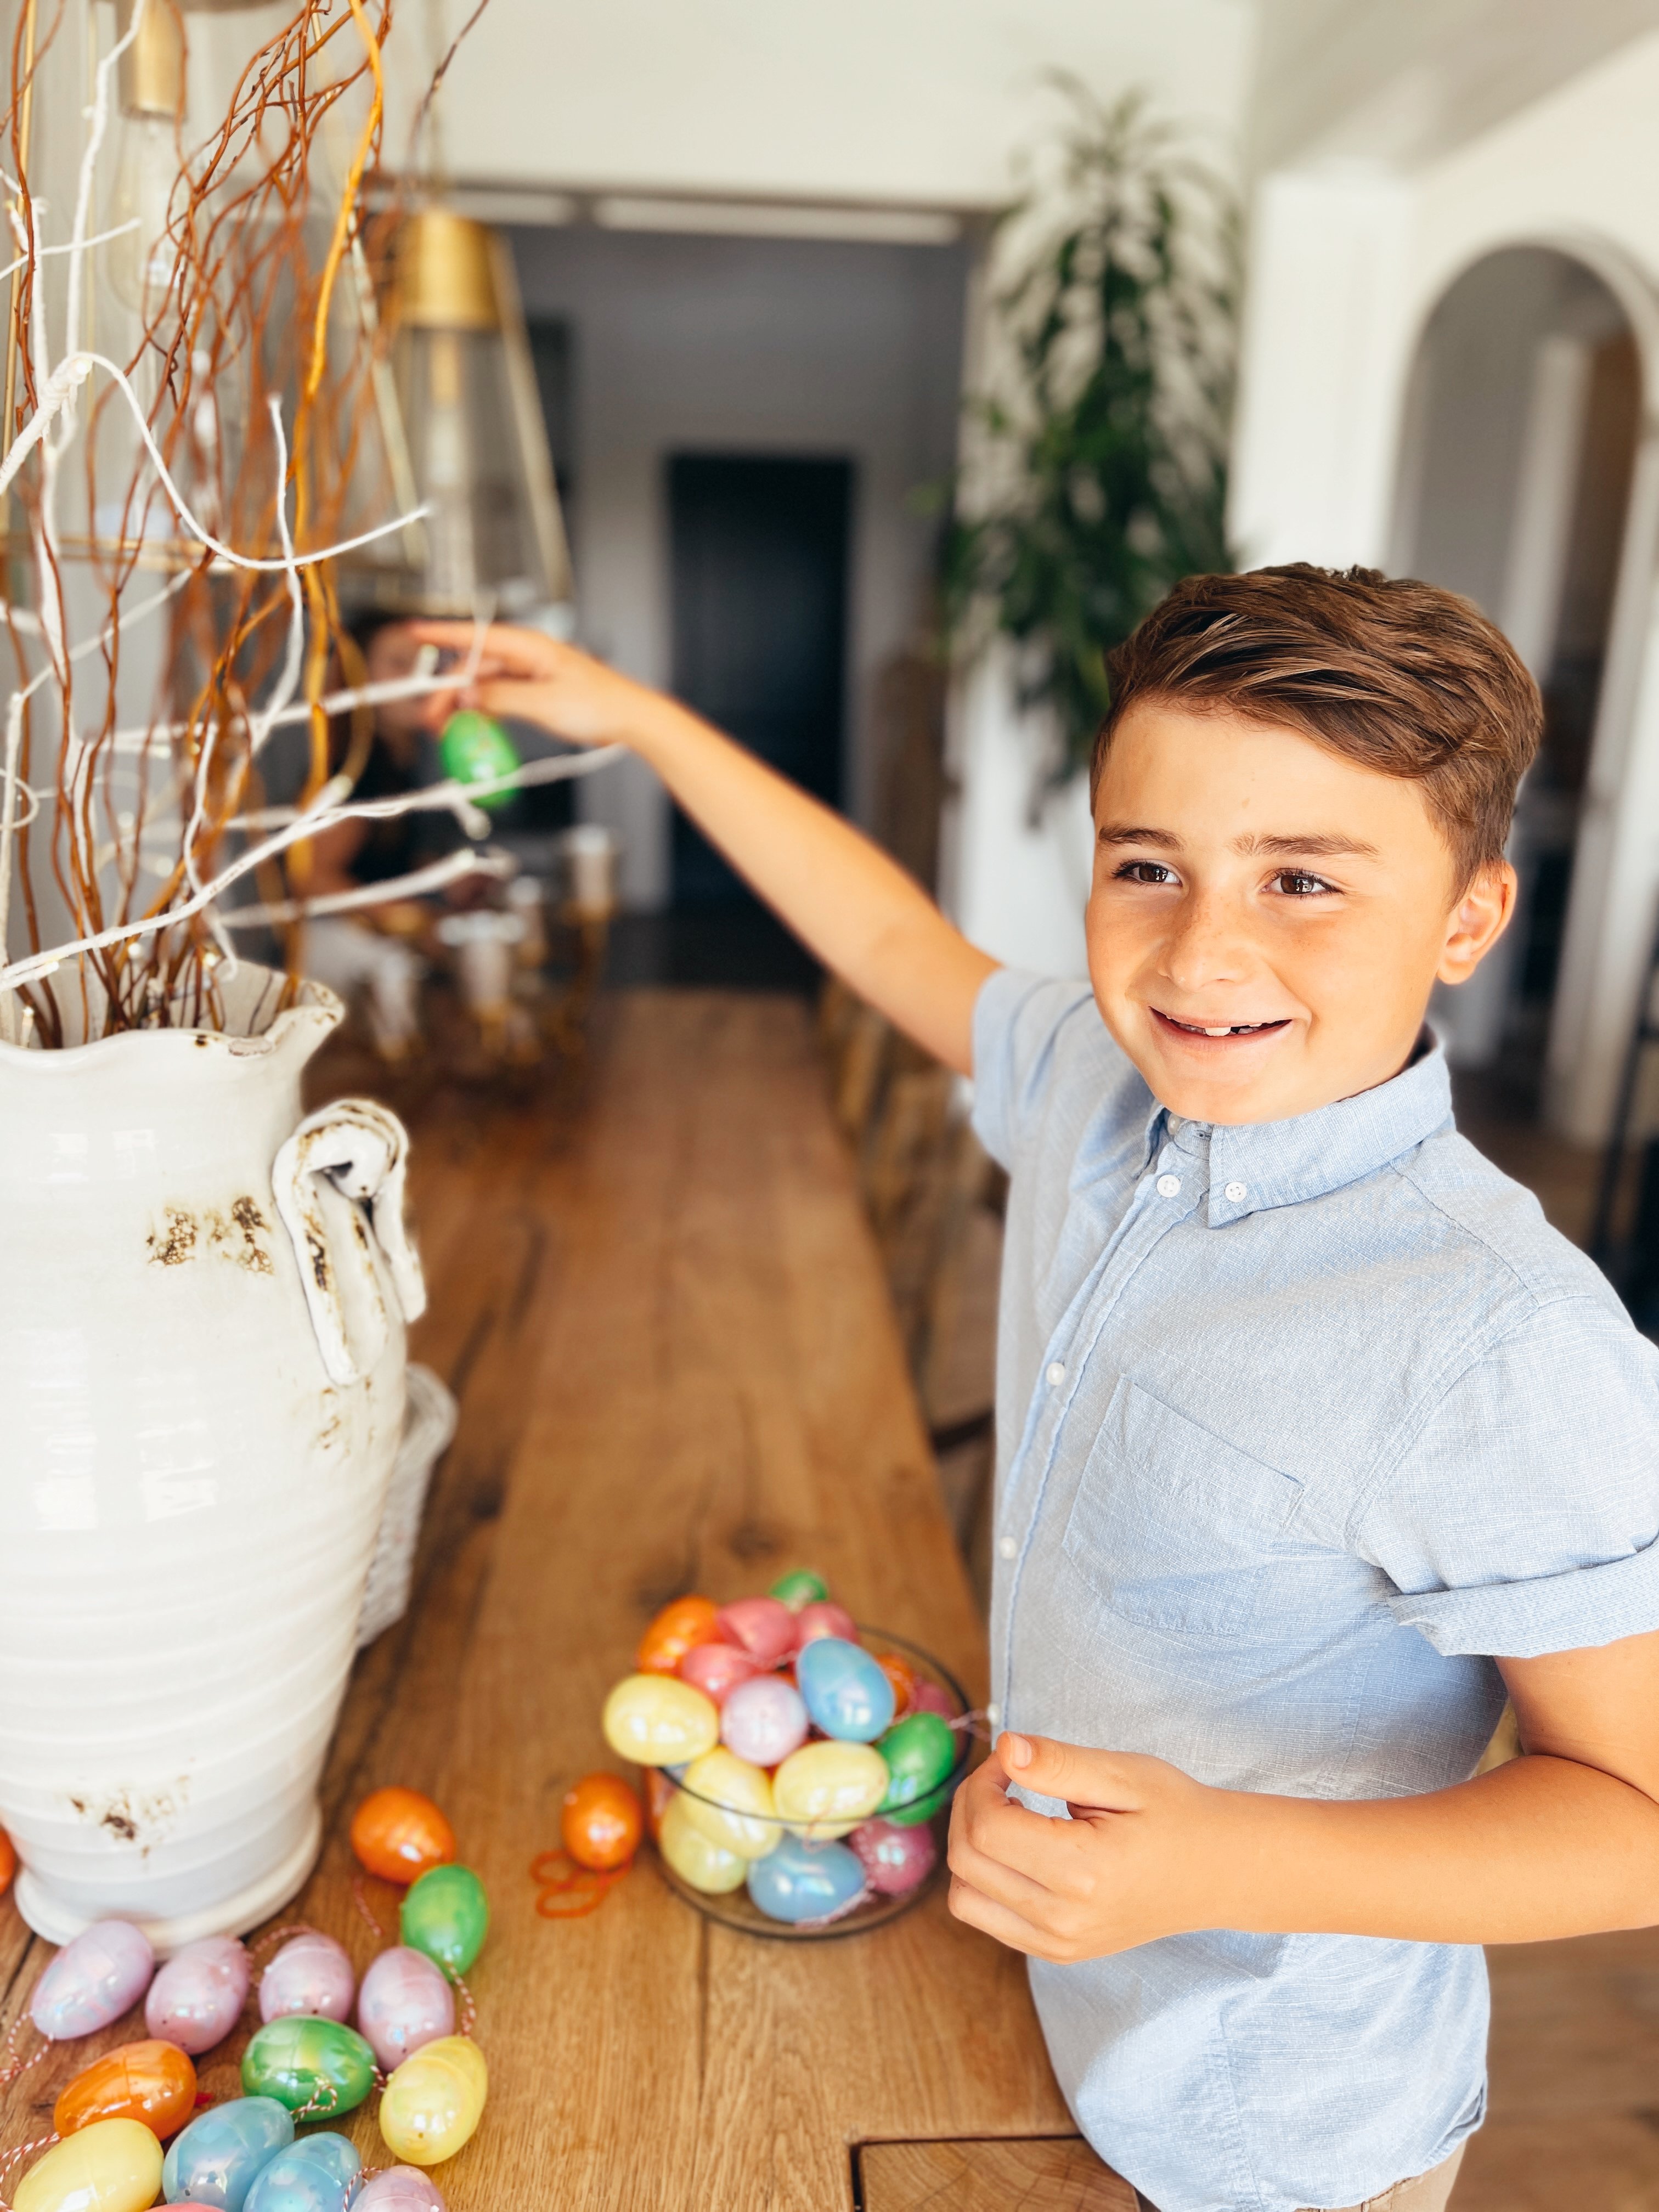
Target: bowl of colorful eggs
x,y
798,1768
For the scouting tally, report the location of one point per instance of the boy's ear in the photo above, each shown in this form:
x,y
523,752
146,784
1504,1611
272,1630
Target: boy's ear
x,y
1474,925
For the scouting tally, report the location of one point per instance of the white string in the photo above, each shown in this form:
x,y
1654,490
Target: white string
x,y
433,878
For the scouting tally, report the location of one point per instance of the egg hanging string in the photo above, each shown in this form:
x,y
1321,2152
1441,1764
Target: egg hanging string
x,y
14,2157
14,2068
590,1885
366,1910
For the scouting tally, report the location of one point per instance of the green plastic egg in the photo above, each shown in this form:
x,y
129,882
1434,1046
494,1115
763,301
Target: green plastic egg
x,y
476,748
800,1586
320,2067
919,1751
446,1915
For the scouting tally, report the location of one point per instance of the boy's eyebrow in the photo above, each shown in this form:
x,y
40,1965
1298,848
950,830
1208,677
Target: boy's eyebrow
x,y
1315,844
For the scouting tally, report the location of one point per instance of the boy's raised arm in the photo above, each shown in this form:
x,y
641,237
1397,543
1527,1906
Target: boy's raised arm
x,y
855,908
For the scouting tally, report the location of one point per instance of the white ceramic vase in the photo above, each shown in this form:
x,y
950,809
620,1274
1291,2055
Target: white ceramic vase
x,y
202,1307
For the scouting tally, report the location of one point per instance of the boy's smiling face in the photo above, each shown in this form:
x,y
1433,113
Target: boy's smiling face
x,y
1268,917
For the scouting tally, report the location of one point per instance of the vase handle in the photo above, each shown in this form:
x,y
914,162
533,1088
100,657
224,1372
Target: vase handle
x,y
363,1151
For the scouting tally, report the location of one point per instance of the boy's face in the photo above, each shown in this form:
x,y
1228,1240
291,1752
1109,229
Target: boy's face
x,y
1267,919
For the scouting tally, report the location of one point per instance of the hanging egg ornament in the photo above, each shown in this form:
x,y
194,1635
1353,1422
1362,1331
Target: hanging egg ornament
x,y
153,2083
903,1677
657,1720
197,1997
730,1800
824,1618
475,749
919,1751
846,1692
705,1864
446,1915
92,1980
215,2160
797,1588
8,1862
316,2066
824,1790
316,2174
600,1822
113,2165
313,1975
764,1626
682,1623
805,1881
399,2189
405,2002
399,1835
717,1670
434,2100
894,1860
763,1721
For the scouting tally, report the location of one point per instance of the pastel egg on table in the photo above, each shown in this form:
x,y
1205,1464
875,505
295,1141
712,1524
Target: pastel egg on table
x,y
153,2083
316,2174
312,1974
805,1881
406,2001
398,1834
93,1981
399,2189
197,1997
763,1721
215,2158
845,1691
600,1822
434,2101
313,2065
657,1720
113,2166
446,1914
824,1790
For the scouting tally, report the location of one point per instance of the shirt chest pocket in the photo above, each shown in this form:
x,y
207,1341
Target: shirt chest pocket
x,y
1179,1531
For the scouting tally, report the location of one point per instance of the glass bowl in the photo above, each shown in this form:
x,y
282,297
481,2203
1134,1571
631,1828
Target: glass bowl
x,y
735,1907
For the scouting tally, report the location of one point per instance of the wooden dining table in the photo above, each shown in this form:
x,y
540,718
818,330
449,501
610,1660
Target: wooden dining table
x,y
656,1297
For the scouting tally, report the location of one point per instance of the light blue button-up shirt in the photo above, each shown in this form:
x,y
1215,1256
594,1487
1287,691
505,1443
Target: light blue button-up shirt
x,y
1297,1423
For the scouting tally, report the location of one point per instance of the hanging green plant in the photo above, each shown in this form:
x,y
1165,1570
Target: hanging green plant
x,y
1100,474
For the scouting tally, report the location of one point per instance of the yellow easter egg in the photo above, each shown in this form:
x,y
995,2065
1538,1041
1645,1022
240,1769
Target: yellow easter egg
x,y
659,1720
824,1790
113,2166
749,1827
434,2100
707,1866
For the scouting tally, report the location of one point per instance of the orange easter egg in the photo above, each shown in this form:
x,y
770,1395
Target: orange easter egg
x,y
8,1862
903,1677
684,1622
601,1822
400,1835
153,2083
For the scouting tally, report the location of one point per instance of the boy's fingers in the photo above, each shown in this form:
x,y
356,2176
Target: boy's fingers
x,y
1070,1772
995,1876
977,1910
1041,1850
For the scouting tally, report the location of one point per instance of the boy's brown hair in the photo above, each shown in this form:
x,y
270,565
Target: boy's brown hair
x,y
1397,675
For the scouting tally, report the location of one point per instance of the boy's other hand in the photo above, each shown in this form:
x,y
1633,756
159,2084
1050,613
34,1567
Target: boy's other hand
x,y
524,676
1141,1857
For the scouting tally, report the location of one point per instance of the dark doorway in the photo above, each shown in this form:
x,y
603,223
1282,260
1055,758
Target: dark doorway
x,y
760,560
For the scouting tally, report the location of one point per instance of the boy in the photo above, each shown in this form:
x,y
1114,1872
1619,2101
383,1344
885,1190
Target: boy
x,y
1313,1437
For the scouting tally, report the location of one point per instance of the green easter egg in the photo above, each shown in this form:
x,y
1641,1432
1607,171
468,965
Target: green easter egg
x,y
919,1750
446,1915
320,2067
476,748
799,1588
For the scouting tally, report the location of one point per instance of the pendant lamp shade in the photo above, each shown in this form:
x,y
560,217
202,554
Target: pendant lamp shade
x,y
475,439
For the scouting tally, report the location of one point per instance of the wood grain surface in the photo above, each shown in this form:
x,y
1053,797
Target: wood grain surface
x,y
1058,2174
663,1313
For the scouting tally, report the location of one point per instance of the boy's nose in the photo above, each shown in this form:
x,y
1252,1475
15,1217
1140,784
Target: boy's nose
x,y
1206,945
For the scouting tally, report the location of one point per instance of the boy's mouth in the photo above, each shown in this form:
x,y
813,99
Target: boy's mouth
x,y
1216,1030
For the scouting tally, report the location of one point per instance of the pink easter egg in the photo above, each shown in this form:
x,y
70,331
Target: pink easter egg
x,y
928,1697
716,1669
764,1626
92,1980
197,1996
763,1721
824,1616
311,1975
406,2001
394,2189
893,1859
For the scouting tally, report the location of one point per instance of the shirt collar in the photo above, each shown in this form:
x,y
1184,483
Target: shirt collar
x,y
1255,1165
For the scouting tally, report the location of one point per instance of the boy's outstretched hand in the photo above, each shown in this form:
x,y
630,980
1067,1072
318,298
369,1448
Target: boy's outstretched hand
x,y
1141,1857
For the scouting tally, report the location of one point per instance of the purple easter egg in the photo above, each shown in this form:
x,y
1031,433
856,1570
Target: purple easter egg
x,y
406,2001
92,1980
763,1721
824,1616
398,2189
311,1975
928,1697
893,1859
197,1998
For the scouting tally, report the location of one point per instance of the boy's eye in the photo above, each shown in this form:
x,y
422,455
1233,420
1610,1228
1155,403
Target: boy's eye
x,y
1297,883
1145,871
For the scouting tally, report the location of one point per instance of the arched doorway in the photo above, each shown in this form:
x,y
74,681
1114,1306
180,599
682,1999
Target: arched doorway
x,y
1521,432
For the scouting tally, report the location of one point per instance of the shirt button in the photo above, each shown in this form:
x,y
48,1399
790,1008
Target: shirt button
x,y
1168,1185
993,1714
1056,1373
1237,1193
1006,1547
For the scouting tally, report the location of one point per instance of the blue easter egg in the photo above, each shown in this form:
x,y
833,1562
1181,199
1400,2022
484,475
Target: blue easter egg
x,y
315,2174
847,1694
804,1881
218,2158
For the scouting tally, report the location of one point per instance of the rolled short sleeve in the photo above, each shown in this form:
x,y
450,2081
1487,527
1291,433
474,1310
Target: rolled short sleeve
x,y
1017,1019
1525,1516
